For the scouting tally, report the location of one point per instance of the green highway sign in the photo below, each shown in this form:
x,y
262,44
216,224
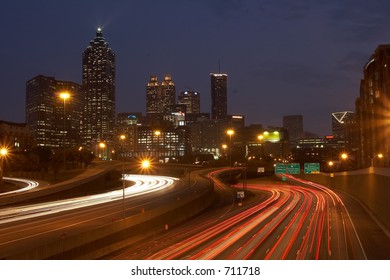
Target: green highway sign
x,y
312,168
293,168
280,168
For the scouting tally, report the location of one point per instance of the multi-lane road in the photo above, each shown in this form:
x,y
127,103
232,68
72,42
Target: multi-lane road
x,y
277,221
28,226
294,220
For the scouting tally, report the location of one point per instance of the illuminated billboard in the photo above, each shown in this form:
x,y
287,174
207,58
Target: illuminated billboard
x,y
272,137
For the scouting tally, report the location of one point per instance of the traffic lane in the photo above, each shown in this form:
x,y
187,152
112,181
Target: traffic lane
x,y
227,235
374,239
51,227
184,234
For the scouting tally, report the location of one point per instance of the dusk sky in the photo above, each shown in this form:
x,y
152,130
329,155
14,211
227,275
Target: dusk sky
x,y
282,57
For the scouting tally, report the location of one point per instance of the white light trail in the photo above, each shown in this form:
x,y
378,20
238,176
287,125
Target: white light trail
x,y
30,185
143,184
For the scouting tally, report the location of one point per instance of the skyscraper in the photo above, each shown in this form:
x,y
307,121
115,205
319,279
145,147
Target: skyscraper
x,y
159,96
191,99
294,126
372,109
53,122
98,83
152,96
218,96
168,93
341,122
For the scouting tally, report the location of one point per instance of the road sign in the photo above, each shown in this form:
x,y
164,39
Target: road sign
x,y
312,168
260,169
293,168
280,168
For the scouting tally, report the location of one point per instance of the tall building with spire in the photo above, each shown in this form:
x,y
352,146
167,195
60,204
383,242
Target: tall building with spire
x,y
168,93
98,82
159,97
152,96
218,96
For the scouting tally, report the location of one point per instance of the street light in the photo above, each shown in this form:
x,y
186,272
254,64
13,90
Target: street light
x,y
158,133
260,137
102,146
230,132
64,96
3,154
344,157
122,138
380,156
145,164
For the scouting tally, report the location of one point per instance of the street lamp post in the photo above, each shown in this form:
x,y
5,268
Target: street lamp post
x,y
122,138
64,96
3,154
102,146
158,133
230,132
373,159
344,157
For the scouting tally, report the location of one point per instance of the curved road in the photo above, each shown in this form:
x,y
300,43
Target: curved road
x,y
28,226
278,222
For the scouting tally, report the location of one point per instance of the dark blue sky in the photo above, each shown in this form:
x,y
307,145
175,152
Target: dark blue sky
x,y
282,57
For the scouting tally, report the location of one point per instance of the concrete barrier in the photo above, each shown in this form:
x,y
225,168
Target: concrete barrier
x,y
370,186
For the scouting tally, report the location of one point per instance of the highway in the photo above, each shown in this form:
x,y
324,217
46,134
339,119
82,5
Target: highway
x,y
26,185
27,226
279,221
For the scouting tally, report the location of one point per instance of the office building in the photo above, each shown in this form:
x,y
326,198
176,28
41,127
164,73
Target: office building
x,y
191,99
341,124
159,96
98,82
218,96
54,122
16,136
372,110
168,93
293,124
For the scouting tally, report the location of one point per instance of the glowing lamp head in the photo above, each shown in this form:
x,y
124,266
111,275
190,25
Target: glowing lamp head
x,y
64,95
3,152
230,132
145,164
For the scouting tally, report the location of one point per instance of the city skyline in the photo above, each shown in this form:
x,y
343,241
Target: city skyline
x,y
274,68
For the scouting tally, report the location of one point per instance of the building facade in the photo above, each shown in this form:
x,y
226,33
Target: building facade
x,y
218,96
159,96
373,111
127,131
293,124
341,124
191,99
15,136
98,82
54,122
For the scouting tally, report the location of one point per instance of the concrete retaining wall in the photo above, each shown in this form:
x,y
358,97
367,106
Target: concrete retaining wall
x,y
372,189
